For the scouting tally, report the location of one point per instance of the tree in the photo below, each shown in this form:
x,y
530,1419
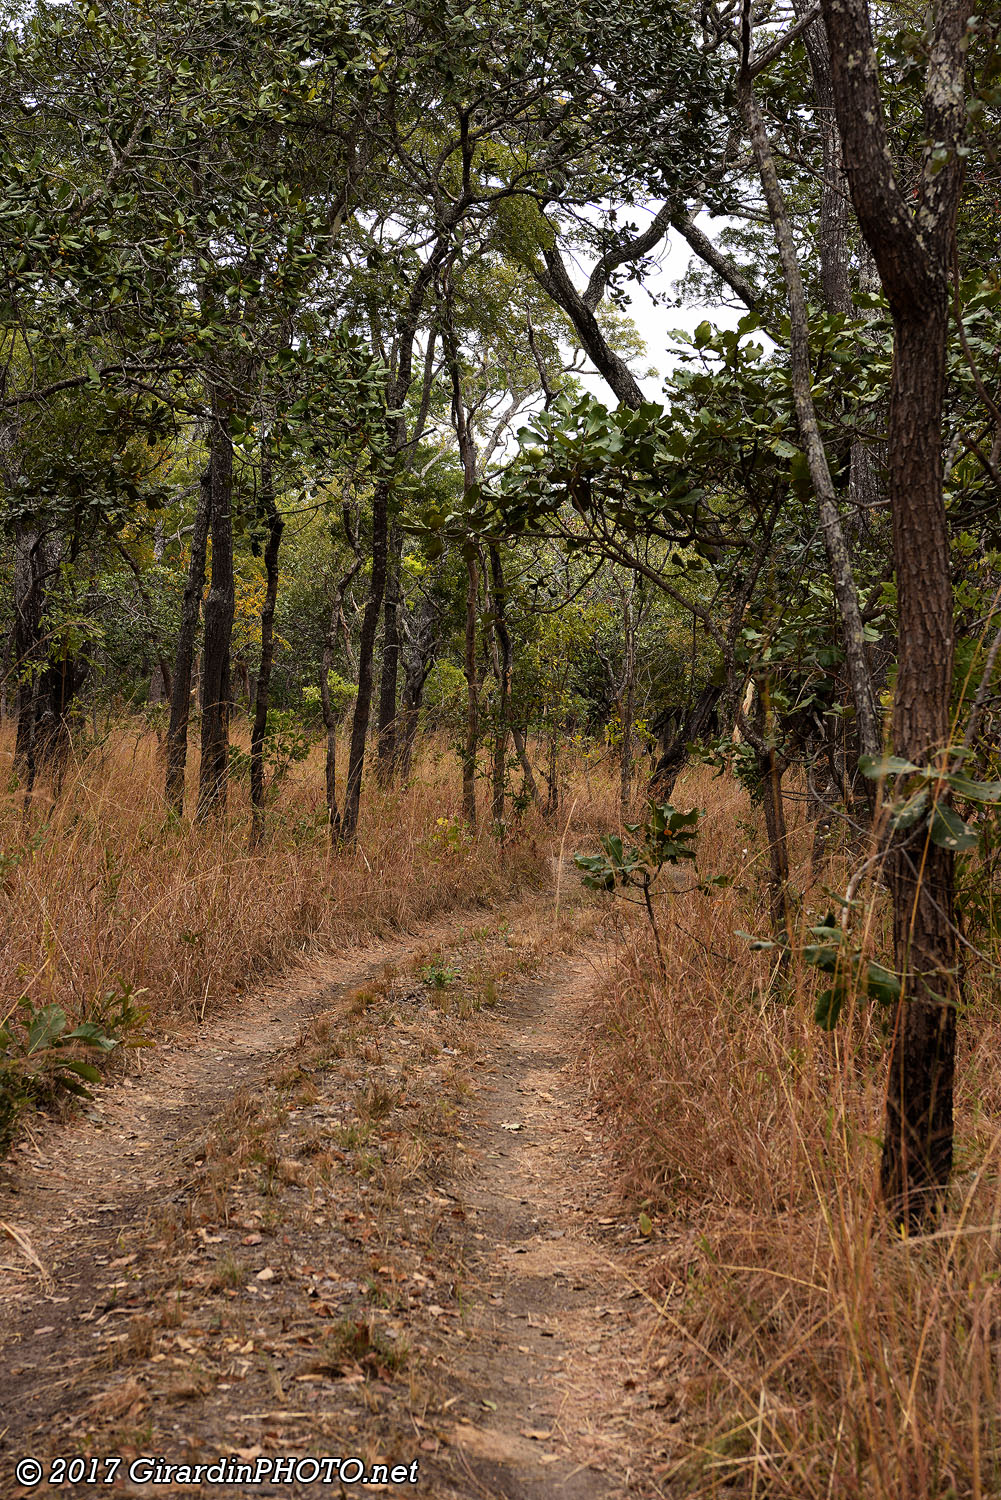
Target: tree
x,y
911,241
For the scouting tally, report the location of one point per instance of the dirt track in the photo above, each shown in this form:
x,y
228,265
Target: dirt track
x,y
368,1214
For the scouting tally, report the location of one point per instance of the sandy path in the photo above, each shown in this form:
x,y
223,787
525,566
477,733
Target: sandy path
x,y
506,1269
552,1343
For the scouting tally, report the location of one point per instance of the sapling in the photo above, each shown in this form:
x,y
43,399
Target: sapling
x,y
665,838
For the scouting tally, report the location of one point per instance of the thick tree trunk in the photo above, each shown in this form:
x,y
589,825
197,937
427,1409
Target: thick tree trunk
x,y
917,1151
911,239
366,657
262,697
180,690
219,608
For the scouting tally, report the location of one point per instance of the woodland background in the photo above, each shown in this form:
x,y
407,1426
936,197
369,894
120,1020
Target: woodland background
x,y
331,596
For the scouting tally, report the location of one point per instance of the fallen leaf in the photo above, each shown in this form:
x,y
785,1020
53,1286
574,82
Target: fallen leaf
x,y
539,1434
266,1275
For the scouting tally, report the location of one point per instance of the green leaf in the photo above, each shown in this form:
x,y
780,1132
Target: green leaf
x,y
92,1035
949,831
646,1224
908,813
828,1007
882,984
46,1025
81,1069
975,791
878,766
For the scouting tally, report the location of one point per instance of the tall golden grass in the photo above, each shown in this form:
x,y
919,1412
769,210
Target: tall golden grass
x,y
104,891
808,1351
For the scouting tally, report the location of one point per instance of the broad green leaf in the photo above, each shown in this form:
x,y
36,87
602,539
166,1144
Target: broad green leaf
x,y
948,830
975,791
828,1007
46,1025
92,1035
81,1069
877,766
910,811
882,984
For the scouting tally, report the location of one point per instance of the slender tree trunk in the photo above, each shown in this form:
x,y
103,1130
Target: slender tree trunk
x,y
773,768
627,705
472,693
219,608
180,690
520,745
839,561
366,656
502,637
330,726
388,726
418,659
29,604
262,697
553,791
159,685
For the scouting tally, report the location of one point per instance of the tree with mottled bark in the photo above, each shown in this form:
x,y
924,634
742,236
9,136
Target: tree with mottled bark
x,y
911,235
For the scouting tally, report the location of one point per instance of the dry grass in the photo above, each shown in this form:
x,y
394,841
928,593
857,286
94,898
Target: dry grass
x,y
104,893
806,1352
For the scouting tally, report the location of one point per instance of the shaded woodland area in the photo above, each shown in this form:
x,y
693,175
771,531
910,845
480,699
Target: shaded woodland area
x,y
332,597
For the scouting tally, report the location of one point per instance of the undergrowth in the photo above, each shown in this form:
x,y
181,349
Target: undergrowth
x,y
107,894
807,1350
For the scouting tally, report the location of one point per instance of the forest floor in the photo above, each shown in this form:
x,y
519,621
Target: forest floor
x,y
365,1214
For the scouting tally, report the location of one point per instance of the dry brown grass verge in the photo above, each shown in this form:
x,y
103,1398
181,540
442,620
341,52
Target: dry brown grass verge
x,y
104,893
803,1350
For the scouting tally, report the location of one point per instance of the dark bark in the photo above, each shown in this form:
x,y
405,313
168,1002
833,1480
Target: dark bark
x,y
472,693
911,242
680,729
326,667
554,792
159,685
399,388
262,697
389,678
421,633
556,281
366,655
180,690
502,719
34,562
773,767
520,745
627,705
219,608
